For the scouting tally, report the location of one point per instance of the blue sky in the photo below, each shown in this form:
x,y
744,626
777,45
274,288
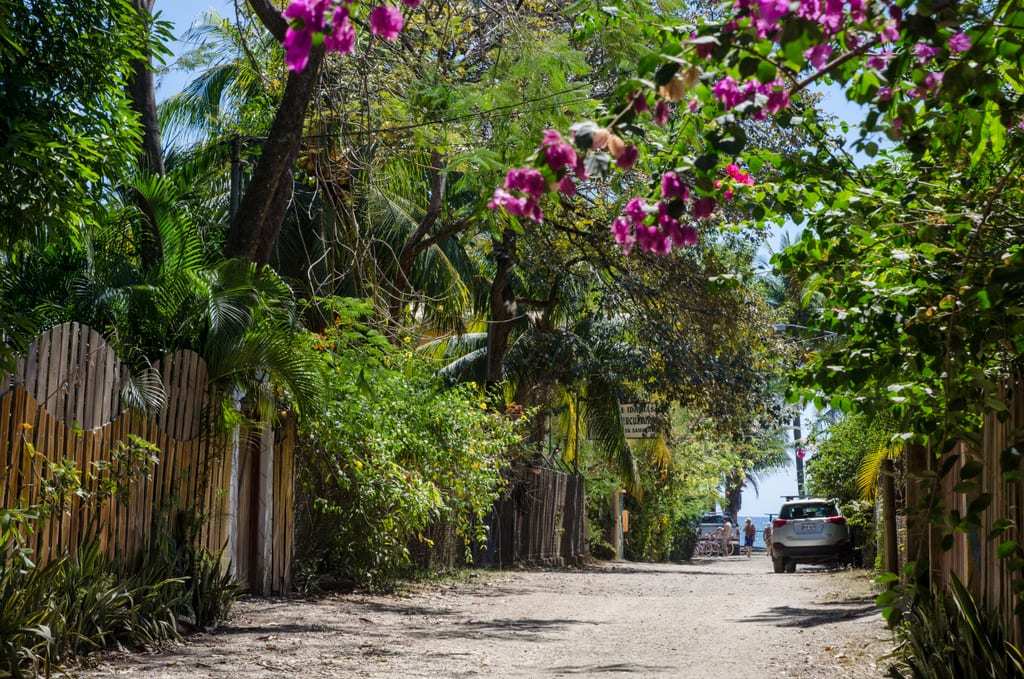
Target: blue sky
x,y
182,13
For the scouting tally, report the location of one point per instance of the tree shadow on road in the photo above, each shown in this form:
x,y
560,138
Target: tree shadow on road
x,y
617,668
813,616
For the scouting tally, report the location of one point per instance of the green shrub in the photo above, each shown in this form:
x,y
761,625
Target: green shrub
x,y
390,452
75,605
947,636
79,603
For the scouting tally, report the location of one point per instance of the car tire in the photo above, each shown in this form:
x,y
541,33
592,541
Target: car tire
x,y
779,564
790,566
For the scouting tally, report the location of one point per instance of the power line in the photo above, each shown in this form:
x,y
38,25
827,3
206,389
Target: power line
x,y
440,121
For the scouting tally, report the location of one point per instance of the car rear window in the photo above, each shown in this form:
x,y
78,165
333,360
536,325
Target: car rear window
x,y
808,511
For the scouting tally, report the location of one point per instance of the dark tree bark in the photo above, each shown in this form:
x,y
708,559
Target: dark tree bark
x,y
257,224
418,240
503,308
142,94
141,90
890,553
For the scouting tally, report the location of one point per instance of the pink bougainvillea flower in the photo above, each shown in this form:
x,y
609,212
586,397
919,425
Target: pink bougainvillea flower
x,y
343,36
525,180
687,236
932,81
623,232
638,101
566,186
738,175
778,100
661,112
296,48
627,159
890,32
386,21
959,42
411,3
636,208
557,152
884,94
673,187
768,14
704,49
703,208
652,239
879,61
857,12
524,206
727,91
925,53
581,168
818,55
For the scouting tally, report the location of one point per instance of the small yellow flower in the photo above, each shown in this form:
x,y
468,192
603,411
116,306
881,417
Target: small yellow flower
x,y
26,426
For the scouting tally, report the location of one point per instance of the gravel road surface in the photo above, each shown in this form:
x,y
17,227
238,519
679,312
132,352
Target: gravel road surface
x,y
712,618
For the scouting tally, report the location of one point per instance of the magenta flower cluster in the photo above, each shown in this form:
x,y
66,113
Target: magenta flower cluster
x,y
768,97
655,228
332,19
524,186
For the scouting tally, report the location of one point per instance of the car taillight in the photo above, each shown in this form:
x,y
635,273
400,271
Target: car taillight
x,y
841,520
779,523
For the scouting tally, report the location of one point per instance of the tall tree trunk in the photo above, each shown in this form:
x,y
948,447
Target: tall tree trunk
x,y
257,224
141,91
142,94
503,307
418,240
890,552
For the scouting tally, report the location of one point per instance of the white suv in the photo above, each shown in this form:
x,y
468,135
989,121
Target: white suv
x,y
809,531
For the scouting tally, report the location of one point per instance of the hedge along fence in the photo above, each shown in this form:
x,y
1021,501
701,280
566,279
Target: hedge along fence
x,y
62,408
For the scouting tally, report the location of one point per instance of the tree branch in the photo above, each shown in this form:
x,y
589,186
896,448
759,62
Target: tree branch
x,y
271,17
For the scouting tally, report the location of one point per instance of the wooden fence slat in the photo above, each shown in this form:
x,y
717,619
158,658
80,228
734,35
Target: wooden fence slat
x,y
67,389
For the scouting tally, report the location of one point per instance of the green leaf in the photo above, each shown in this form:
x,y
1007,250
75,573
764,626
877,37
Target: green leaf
x,y
767,71
886,578
972,469
980,503
1006,549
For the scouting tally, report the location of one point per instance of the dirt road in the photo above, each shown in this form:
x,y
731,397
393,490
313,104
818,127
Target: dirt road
x,y
728,618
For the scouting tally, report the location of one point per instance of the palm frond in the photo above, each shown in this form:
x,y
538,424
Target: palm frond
x,y
604,426
870,469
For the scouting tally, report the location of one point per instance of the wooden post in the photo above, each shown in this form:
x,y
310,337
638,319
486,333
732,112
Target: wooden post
x,y
891,555
617,539
265,513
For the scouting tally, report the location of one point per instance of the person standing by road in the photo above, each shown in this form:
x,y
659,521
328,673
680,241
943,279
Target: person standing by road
x,y
726,536
768,539
749,531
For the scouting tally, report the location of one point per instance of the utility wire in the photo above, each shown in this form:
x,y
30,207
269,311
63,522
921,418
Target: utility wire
x,y
440,121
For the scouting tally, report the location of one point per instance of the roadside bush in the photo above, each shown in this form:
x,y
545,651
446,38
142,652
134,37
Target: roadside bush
x,y
82,601
74,605
947,636
860,516
390,452
660,523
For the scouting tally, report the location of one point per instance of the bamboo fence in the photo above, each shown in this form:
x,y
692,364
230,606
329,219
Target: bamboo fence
x,y
62,418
